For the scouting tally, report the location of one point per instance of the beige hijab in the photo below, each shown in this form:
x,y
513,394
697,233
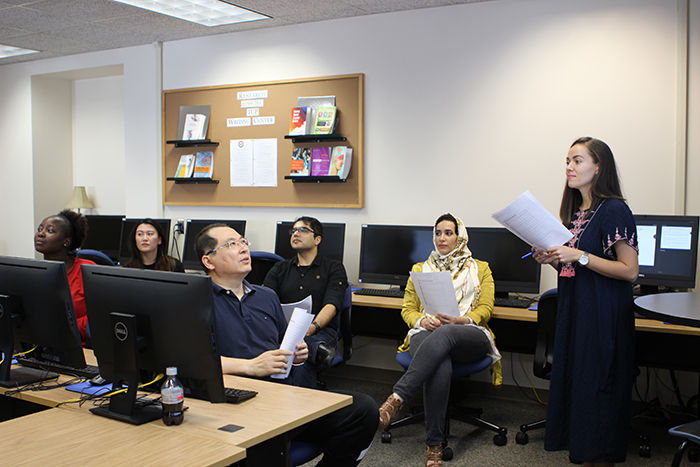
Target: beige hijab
x,y
462,267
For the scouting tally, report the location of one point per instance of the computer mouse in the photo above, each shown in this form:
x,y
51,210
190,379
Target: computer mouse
x,y
98,381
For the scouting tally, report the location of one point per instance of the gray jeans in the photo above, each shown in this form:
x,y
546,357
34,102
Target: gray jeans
x,y
432,354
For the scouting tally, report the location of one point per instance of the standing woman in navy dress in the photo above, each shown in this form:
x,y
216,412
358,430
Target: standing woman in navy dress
x,y
588,411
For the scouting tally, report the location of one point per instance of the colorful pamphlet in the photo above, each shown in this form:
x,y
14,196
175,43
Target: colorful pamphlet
x,y
185,167
301,162
320,161
204,164
325,120
300,117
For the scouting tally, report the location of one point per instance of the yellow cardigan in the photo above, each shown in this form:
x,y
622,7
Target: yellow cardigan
x,y
412,310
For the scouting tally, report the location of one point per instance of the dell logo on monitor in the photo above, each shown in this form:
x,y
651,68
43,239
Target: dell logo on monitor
x,y
120,331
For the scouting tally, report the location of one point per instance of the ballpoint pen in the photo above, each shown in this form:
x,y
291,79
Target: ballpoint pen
x,y
529,254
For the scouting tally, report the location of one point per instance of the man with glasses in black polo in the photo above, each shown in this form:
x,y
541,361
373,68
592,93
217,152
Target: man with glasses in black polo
x,y
325,279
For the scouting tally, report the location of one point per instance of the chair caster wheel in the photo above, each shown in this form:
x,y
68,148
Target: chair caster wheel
x,y
447,454
522,438
645,451
500,440
386,437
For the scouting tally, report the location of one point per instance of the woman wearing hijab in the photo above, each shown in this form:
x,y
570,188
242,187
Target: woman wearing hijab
x,y
436,341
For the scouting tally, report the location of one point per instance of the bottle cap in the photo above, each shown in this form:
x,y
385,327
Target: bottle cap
x,y
171,371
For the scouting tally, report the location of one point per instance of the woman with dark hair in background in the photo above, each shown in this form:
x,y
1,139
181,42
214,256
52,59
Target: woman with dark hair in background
x,y
147,248
57,238
590,393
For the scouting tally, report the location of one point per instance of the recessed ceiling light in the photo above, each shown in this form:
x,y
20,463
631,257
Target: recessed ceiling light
x,y
9,51
205,12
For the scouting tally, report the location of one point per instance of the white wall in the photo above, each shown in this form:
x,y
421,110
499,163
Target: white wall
x,y
140,138
468,106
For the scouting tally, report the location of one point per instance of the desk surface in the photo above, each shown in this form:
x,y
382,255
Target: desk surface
x,y
68,437
523,314
277,409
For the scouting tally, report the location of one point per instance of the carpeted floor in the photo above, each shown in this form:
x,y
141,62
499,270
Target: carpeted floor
x,y
475,447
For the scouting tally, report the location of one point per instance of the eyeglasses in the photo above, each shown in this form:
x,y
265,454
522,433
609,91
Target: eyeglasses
x,y
301,230
232,244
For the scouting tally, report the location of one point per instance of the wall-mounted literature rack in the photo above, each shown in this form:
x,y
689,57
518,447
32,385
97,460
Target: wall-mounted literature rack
x,y
314,138
193,181
315,179
191,143
280,98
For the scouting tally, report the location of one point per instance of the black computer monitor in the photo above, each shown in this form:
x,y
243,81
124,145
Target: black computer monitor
x,y
668,251
193,227
36,310
387,252
332,243
142,322
104,234
503,251
127,225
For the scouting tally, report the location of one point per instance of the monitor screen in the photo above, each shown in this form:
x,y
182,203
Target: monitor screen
x,y
104,234
37,310
170,315
193,227
127,225
388,252
332,243
668,250
503,251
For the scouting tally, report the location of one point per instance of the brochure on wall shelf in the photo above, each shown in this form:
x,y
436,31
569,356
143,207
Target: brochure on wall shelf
x,y
299,121
194,127
185,167
204,164
320,161
341,159
301,162
314,102
194,122
325,120
532,223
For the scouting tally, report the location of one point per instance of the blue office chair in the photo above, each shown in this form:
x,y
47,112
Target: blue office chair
x,y
302,452
463,414
344,349
96,257
262,262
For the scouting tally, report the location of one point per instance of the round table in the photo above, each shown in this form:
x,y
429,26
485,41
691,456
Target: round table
x,y
673,307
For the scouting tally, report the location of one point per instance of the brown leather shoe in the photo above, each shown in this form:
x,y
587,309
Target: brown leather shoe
x,y
434,457
387,411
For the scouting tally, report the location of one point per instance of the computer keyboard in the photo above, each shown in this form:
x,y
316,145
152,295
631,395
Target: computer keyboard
x,y
397,293
234,396
90,371
513,302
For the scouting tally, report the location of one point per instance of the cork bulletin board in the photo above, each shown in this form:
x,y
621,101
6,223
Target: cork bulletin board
x,y
281,96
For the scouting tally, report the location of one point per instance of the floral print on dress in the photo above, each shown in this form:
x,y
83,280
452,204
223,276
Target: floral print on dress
x,y
578,226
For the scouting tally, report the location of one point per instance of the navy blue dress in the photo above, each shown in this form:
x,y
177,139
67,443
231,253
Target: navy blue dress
x,y
588,411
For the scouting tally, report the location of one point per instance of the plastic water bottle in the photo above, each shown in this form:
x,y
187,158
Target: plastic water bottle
x,y
172,398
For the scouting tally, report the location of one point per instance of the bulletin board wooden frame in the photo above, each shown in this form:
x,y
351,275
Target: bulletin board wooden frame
x,y
281,97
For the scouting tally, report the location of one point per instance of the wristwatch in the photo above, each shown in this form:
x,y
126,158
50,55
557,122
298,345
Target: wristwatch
x,y
318,328
583,260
